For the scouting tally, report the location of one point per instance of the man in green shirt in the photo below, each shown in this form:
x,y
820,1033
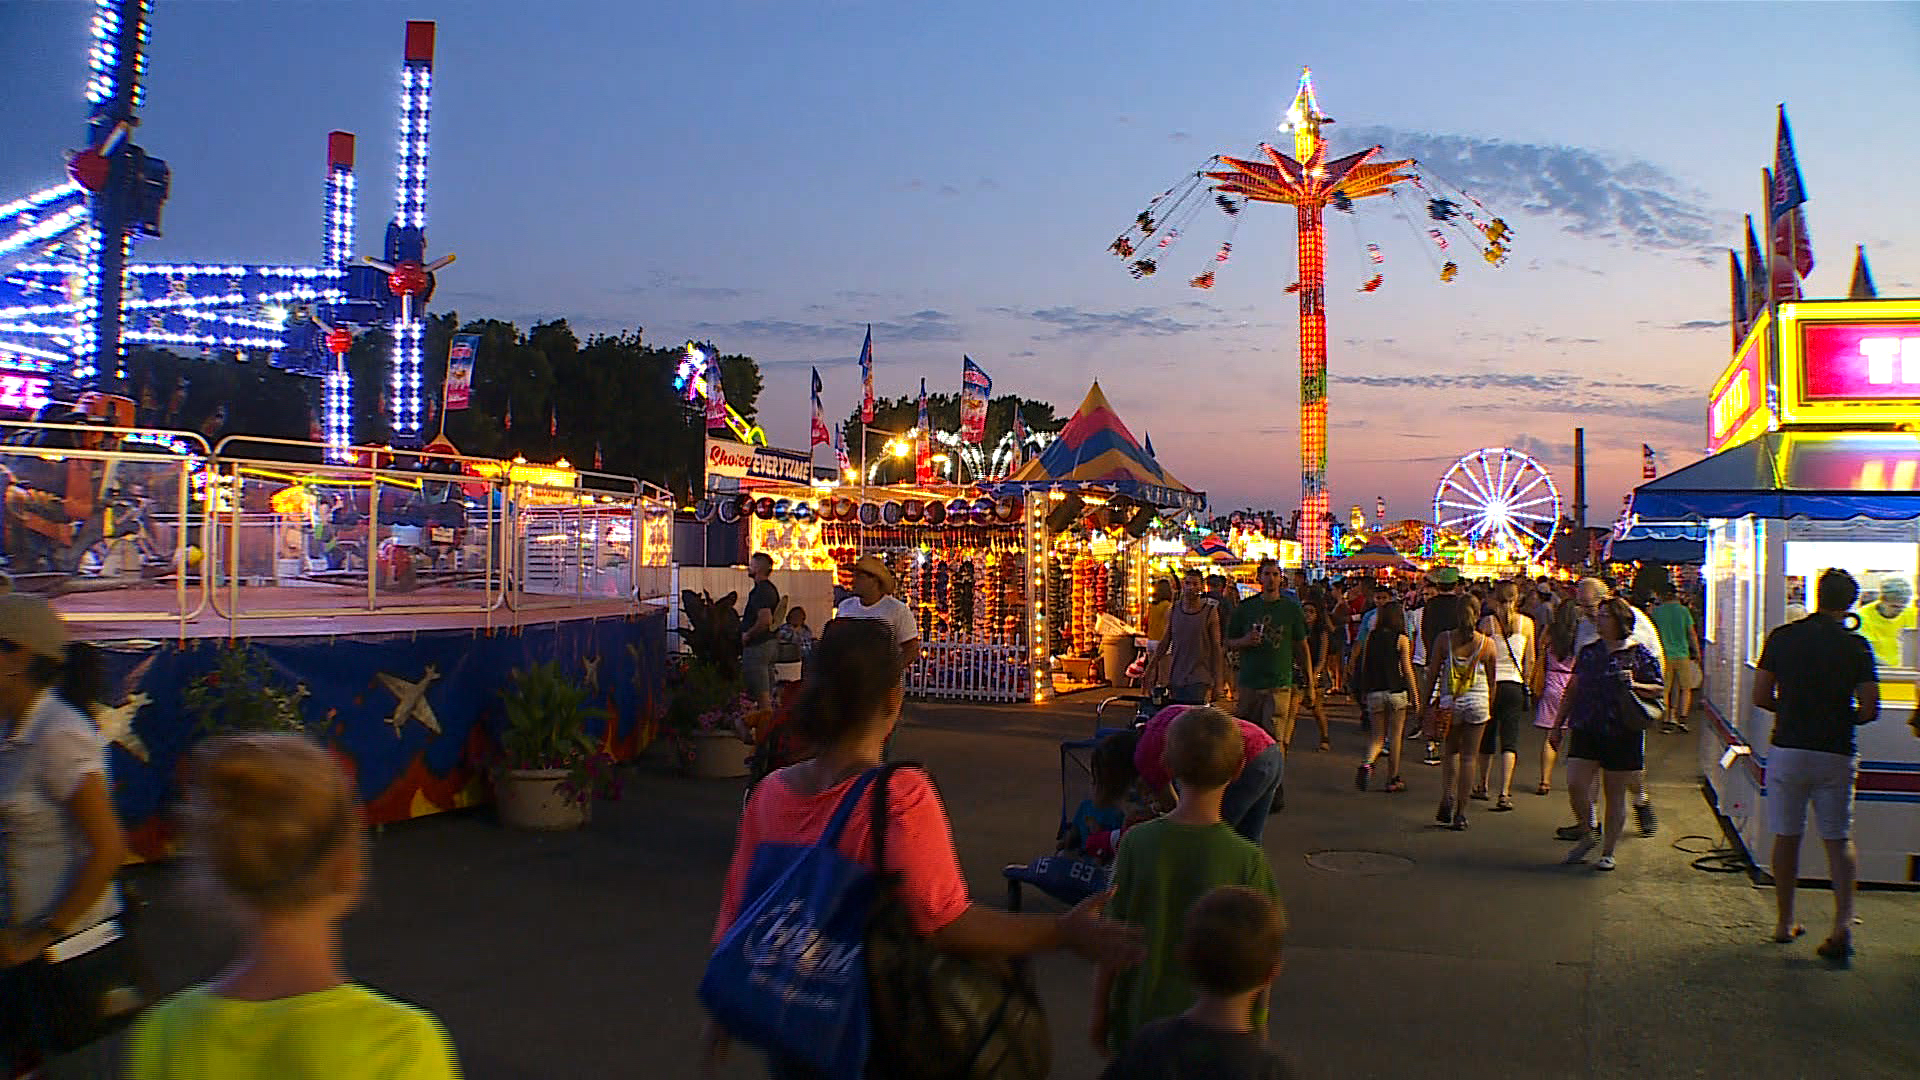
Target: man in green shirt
x,y
1680,645
1269,631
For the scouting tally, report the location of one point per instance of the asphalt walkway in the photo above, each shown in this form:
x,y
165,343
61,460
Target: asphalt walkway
x,y
1417,951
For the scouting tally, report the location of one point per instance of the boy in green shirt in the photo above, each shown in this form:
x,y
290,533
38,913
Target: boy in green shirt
x,y
1165,866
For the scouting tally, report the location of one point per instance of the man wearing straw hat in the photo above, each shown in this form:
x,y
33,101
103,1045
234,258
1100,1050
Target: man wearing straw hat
x,y
873,598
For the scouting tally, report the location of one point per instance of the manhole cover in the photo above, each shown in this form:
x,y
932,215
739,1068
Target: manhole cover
x,y
1369,863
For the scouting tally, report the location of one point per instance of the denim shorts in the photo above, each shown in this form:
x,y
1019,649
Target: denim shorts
x,y
1378,700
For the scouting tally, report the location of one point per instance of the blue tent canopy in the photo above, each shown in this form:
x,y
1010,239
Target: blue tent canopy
x,y
1826,476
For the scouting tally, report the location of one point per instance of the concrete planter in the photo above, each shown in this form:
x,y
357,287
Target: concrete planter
x,y
531,799
713,755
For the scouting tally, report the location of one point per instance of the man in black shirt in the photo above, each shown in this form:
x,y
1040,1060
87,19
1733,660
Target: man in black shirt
x,y
1817,677
758,627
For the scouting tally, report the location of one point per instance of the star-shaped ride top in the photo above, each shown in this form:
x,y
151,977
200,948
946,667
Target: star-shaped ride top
x,y
1307,178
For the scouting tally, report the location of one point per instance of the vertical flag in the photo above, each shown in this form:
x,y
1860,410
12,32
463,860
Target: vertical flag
x,y
975,389
1737,285
866,377
1149,446
716,398
553,422
1862,286
840,450
1781,282
1791,244
460,354
599,459
1756,275
819,433
923,442
1647,470
507,421
1020,438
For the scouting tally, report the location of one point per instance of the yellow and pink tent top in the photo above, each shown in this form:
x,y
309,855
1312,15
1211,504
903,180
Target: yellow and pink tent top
x,y
1095,450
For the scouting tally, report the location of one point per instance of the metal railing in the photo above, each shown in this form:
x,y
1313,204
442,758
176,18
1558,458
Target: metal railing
x,y
258,528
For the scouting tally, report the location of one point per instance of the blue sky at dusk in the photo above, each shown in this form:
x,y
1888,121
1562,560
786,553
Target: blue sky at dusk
x,y
775,175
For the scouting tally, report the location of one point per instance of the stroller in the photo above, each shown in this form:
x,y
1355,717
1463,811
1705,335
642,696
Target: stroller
x,y
1067,877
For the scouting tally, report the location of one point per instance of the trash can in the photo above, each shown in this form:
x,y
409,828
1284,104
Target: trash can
x,y
1116,655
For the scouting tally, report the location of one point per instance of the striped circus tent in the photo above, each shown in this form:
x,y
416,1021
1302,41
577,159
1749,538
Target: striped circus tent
x,y
1095,450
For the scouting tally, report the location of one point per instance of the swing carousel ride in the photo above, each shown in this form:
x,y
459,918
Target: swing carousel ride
x,y
1311,182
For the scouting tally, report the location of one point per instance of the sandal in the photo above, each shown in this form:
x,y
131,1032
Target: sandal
x,y
1544,789
1837,953
1505,803
1326,745
1790,936
1479,794
1396,785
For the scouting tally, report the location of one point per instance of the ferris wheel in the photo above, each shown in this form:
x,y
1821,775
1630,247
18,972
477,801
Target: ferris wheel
x,y
1499,495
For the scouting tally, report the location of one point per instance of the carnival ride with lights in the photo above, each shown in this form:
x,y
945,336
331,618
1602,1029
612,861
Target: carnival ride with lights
x,y
1501,496
305,553
698,377
72,299
1311,182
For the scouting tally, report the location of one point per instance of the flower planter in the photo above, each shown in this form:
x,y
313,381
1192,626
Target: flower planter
x,y
531,799
713,755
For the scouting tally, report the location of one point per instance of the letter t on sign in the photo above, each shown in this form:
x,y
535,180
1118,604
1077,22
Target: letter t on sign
x,y
1880,353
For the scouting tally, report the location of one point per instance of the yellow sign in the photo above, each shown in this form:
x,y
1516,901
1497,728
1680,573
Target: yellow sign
x,y
1851,362
1738,410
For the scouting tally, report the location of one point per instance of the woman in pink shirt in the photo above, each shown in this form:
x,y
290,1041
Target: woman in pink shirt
x,y
847,709
1248,800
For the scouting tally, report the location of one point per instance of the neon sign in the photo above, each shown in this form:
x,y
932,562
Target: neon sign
x,y
24,392
1735,412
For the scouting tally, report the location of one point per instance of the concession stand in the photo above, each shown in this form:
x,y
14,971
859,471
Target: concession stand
x,y
1814,463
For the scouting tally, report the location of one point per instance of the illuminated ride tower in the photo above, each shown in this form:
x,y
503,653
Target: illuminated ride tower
x,y
1310,182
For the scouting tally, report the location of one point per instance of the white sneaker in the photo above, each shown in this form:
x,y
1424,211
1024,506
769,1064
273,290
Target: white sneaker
x,y
1605,863
1582,848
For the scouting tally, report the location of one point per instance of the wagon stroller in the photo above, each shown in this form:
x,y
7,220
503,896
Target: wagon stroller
x,y
1064,876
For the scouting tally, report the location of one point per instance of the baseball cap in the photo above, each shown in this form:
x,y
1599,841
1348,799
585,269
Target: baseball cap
x,y
875,565
31,623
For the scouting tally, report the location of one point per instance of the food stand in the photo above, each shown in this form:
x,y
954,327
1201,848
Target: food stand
x,y
1814,465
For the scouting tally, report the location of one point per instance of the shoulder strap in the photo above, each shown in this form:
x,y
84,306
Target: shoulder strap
x,y
880,810
838,823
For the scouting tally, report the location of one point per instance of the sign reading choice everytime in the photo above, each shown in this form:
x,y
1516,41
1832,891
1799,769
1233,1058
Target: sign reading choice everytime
x,y
742,462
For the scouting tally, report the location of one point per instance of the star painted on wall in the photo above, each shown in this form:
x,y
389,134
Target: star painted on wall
x,y
592,666
116,721
411,700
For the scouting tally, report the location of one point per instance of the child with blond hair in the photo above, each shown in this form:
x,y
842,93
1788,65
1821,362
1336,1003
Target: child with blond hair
x,y
273,827
1231,951
1165,866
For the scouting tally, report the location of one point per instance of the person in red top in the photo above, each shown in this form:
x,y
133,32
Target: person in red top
x,y
847,709
1248,797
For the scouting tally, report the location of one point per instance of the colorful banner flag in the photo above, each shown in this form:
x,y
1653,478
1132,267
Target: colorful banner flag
x,y
716,398
1861,288
460,355
866,377
1756,275
553,422
1737,286
975,389
599,459
840,458
1647,469
923,442
1020,438
507,422
819,433
1785,208
1782,283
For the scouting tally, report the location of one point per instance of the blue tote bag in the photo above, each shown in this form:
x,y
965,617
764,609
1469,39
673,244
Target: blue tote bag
x,y
790,976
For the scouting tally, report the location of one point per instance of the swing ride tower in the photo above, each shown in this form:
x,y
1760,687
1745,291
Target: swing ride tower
x,y
1310,183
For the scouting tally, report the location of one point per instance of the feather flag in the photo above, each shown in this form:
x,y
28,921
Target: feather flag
x,y
599,459
1019,438
1785,206
866,377
1861,287
1148,447
716,398
553,422
975,389
819,432
1647,469
923,443
840,458
1756,275
1781,282
1737,286
507,421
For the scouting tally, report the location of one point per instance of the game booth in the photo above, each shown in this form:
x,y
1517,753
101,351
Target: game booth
x,y
1814,465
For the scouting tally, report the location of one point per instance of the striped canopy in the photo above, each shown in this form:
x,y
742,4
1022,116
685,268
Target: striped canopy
x,y
1096,450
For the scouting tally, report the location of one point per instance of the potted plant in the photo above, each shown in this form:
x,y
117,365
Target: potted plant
x,y
551,770
707,720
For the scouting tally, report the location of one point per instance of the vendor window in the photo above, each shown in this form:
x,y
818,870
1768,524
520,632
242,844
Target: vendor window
x,y
1885,570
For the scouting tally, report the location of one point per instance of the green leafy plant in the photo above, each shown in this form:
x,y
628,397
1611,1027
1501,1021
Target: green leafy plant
x,y
702,698
547,718
243,694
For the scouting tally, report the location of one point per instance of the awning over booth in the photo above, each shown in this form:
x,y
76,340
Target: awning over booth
x,y
1096,450
1830,476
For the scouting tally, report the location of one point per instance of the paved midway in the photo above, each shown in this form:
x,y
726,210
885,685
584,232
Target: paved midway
x,y
577,955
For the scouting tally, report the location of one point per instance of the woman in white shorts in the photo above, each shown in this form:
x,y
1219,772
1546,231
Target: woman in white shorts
x,y
1462,666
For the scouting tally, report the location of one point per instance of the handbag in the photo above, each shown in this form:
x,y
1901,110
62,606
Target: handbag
x,y
789,976
91,987
1636,712
1525,689
939,1016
